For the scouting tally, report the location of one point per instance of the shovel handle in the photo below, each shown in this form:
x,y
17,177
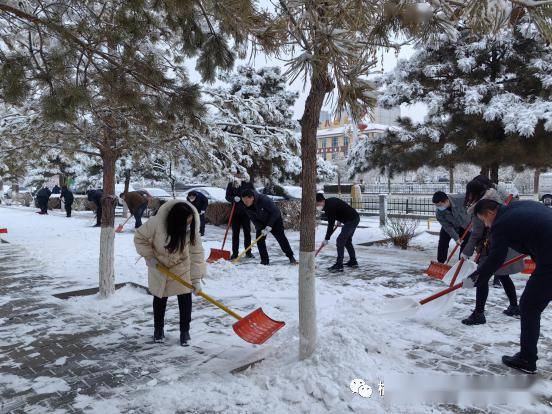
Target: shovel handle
x,y
237,259
460,240
322,246
228,225
459,285
205,296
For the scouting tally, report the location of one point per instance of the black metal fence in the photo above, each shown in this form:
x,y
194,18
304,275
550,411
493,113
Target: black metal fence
x,y
370,204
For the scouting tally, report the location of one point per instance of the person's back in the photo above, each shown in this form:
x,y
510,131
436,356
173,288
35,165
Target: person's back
x,y
339,210
67,195
528,226
44,193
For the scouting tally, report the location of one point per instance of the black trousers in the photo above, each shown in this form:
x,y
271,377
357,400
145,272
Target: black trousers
x,y
98,213
482,292
444,240
184,306
138,213
345,241
202,224
240,221
535,298
68,208
278,233
42,204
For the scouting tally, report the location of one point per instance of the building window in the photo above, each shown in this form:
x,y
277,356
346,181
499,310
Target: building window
x,y
335,142
323,142
346,141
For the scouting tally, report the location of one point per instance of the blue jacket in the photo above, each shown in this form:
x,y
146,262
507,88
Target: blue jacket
x,y
525,226
263,212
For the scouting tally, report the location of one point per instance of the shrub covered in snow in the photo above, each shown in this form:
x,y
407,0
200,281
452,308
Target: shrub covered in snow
x,y
400,230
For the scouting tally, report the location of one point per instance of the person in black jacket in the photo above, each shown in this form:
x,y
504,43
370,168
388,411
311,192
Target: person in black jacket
x,y
267,218
336,209
200,202
68,198
56,189
96,197
42,197
526,227
240,220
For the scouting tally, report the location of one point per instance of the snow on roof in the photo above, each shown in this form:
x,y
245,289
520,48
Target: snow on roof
x,y
370,127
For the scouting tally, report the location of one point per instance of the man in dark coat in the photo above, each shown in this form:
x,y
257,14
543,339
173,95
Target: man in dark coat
x,y
526,227
200,202
137,203
240,220
42,197
56,189
68,198
267,218
454,219
96,197
336,209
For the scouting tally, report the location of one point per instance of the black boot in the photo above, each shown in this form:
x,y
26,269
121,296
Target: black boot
x,y
233,257
352,263
512,310
185,338
519,363
158,335
265,262
249,255
476,318
338,267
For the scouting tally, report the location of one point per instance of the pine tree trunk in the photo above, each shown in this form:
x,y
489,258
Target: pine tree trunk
x,y
451,179
536,183
493,174
107,232
125,191
485,171
320,85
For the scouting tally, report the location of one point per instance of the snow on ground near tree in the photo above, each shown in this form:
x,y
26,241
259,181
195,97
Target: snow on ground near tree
x,y
354,341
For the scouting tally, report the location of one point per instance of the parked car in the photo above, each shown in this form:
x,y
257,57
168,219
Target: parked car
x,y
545,189
214,194
282,192
158,193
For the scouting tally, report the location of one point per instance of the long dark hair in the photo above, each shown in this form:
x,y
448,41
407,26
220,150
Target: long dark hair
x,y
177,223
476,189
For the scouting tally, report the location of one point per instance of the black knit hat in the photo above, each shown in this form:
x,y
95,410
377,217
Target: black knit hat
x,y
319,197
439,197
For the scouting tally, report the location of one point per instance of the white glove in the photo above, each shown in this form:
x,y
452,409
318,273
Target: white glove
x,y
152,262
197,286
237,199
470,281
266,230
201,213
325,243
465,256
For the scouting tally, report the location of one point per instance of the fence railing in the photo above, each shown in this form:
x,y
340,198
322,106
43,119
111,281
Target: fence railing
x,y
425,188
395,205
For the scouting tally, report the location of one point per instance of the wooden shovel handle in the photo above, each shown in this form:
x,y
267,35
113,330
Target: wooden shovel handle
x,y
237,259
205,296
460,240
322,246
228,225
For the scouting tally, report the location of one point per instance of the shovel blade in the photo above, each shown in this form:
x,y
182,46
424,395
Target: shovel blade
x,y
218,254
4,231
257,327
437,270
530,267
119,229
401,307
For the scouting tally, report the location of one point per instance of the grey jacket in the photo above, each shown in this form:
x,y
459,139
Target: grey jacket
x,y
478,236
454,218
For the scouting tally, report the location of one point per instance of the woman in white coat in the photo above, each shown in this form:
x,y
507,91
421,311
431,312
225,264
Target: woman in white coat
x,y
171,238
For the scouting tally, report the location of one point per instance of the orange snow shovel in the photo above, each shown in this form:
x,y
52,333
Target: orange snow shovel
x,y
217,254
119,228
408,305
255,328
3,231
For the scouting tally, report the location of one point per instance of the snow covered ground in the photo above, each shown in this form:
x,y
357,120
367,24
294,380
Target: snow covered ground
x,y
426,362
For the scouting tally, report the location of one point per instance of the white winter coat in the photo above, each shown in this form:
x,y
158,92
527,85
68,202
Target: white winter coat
x,y
150,240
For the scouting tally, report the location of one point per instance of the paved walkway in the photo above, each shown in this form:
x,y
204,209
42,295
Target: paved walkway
x,y
52,358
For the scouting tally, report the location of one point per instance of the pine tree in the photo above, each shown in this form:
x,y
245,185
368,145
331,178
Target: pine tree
x,y
488,98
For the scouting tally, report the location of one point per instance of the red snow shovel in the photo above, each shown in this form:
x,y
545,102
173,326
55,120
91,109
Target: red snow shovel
x,y
3,231
409,304
217,254
254,328
119,228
